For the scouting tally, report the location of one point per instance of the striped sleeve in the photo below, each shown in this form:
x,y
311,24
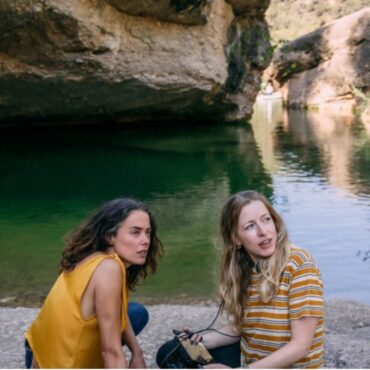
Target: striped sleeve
x,y
306,288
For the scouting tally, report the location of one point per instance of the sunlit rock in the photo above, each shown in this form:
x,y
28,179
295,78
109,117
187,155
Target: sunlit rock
x,y
110,60
328,67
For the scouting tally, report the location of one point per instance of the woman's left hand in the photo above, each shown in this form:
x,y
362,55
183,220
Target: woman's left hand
x,y
216,366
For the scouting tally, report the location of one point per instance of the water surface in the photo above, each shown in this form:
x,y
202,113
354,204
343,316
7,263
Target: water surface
x,y
315,169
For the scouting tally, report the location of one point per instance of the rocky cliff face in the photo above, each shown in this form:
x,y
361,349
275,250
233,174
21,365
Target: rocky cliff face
x,y
290,19
99,60
329,66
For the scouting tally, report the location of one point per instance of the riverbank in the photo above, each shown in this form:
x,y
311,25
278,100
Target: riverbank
x,y
347,331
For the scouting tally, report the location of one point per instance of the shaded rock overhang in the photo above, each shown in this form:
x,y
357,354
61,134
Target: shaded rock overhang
x,y
131,61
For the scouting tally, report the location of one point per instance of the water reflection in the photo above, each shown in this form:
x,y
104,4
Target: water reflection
x,y
320,165
267,116
333,146
52,179
314,167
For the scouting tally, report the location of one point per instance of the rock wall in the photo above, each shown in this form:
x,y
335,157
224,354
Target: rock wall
x,y
99,60
328,66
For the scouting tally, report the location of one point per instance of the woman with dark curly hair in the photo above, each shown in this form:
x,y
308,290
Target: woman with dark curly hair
x,y
86,317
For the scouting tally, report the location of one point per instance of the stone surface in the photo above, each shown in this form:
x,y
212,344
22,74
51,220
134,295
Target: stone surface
x,y
347,339
250,8
190,12
327,65
108,60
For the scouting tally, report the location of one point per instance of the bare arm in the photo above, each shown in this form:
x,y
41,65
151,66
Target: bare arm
x,y
214,339
303,331
108,301
129,338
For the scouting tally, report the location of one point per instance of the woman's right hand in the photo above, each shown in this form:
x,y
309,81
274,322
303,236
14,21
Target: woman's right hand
x,y
194,337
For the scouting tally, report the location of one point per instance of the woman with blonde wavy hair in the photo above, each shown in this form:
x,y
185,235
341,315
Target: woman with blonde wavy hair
x,y
271,290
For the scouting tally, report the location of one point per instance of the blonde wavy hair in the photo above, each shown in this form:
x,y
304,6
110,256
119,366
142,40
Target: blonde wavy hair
x,y
236,264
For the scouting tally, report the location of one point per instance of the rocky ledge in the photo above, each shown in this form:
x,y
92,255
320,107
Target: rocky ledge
x,y
347,339
109,60
327,67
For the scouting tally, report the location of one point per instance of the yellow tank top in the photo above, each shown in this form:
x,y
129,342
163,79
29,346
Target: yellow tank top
x,y
60,337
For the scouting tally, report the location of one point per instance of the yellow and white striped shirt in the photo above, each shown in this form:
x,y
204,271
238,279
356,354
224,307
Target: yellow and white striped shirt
x,y
265,327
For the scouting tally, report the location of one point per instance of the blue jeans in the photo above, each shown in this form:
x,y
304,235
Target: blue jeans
x,y
137,313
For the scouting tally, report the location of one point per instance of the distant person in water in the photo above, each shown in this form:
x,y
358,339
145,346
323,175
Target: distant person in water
x,y
269,89
86,317
271,289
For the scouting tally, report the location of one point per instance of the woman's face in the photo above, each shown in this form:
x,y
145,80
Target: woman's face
x,y
132,240
256,230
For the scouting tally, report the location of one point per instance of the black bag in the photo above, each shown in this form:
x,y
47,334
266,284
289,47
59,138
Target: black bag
x,y
182,354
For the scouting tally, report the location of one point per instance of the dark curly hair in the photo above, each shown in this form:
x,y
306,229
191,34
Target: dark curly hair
x,y
94,233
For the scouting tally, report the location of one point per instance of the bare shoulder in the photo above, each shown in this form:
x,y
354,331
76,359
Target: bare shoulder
x,y
108,269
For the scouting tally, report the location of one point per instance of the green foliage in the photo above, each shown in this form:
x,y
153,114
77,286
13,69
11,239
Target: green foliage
x,y
359,94
290,19
363,99
291,68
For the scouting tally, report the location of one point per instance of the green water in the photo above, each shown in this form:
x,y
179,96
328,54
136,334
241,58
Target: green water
x,y
52,178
